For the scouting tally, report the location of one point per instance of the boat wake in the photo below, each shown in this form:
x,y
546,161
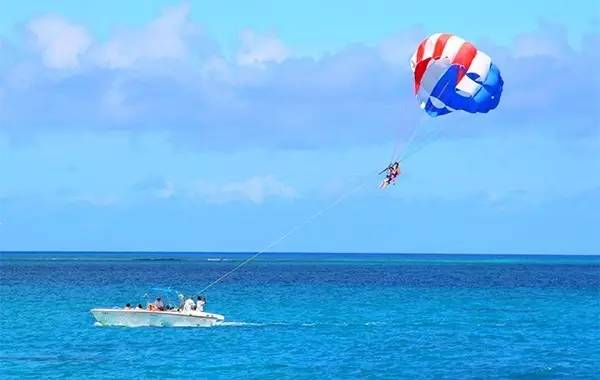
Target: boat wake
x,y
298,324
246,324
241,324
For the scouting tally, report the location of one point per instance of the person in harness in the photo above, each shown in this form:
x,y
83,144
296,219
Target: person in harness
x,y
393,171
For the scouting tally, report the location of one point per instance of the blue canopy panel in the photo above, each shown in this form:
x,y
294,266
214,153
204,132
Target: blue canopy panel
x,y
444,97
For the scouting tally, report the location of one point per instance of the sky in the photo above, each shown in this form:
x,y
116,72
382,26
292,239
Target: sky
x,y
220,126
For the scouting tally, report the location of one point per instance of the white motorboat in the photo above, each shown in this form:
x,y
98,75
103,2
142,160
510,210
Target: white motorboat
x,y
141,317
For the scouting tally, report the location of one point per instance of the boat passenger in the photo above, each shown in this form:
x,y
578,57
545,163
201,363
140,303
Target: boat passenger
x,y
159,305
127,307
139,307
188,305
200,303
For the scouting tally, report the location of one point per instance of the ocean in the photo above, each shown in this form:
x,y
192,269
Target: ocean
x,y
305,316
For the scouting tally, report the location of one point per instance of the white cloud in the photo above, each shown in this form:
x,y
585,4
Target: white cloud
x,y
163,38
60,42
255,190
258,49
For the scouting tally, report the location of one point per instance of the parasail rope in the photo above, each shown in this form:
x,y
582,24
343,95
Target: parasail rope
x,y
407,144
291,231
401,147
404,156
433,136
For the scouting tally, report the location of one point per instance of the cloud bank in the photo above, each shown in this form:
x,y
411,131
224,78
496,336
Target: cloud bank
x,y
255,189
168,75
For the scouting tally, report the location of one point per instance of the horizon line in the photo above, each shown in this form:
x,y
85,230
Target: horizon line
x,y
285,252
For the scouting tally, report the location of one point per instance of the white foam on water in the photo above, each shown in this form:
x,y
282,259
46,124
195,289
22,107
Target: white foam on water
x,y
375,323
258,324
238,324
255,324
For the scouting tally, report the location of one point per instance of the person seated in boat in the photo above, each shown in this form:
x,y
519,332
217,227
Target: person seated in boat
x,y
200,303
188,305
156,305
139,307
127,307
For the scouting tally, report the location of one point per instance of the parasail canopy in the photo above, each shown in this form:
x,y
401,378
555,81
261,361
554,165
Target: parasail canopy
x,y
452,74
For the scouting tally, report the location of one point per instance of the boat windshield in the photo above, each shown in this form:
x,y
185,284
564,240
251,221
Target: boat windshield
x,y
171,298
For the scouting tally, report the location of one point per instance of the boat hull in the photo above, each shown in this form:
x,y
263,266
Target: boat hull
x,y
138,318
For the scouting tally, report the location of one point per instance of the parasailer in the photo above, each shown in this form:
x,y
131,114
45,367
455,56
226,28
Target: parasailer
x,y
393,171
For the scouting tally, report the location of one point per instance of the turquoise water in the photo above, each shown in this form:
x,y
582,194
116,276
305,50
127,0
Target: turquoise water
x,y
307,316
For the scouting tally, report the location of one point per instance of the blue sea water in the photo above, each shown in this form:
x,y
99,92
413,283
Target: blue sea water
x,y
306,316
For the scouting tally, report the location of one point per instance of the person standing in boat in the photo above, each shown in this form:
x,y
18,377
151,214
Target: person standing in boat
x,y
188,305
200,303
